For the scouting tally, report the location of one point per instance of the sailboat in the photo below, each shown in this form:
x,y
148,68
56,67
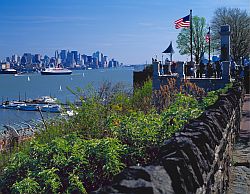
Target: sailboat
x,y
60,88
28,78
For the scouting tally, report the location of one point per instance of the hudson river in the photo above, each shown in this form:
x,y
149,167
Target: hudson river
x,y
32,86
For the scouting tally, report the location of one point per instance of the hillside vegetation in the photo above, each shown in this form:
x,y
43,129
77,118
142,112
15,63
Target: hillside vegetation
x,y
111,130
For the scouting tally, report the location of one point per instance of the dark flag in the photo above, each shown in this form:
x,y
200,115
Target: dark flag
x,y
208,37
169,49
182,22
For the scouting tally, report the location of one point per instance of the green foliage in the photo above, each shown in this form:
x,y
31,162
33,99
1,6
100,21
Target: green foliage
x,y
26,186
140,132
49,180
184,108
213,96
142,97
239,22
111,130
63,164
76,185
198,38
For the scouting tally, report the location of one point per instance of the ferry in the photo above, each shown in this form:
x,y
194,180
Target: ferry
x,y
56,71
8,71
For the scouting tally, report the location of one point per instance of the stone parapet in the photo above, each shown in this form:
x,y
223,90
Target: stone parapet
x,y
194,160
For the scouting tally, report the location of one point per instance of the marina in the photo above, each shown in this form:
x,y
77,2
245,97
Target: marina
x,y
21,90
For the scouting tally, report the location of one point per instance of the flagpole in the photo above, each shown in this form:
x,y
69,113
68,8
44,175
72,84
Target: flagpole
x,y
171,53
209,45
191,33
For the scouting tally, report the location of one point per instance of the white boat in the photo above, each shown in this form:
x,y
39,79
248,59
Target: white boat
x,y
51,108
10,106
56,71
8,71
46,100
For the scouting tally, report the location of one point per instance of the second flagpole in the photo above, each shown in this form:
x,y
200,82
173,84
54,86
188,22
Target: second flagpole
x,y
191,36
209,45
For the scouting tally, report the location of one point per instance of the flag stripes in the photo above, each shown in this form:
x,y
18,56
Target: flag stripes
x,y
182,22
208,37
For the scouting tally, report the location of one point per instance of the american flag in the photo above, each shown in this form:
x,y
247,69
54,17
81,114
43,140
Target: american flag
x,y
183,22
208,37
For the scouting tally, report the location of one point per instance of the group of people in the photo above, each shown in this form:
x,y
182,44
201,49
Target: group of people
x,y
204,70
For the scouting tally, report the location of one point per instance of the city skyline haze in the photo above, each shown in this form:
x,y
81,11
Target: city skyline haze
x,y
130,31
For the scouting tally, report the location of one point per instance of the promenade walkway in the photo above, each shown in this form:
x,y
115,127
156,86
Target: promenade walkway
x,y
240,170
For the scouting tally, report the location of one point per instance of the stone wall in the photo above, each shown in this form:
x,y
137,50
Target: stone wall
x,y
194,160
139,78
207,84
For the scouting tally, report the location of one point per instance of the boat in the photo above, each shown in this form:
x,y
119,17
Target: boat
x,y
8,71
10,106
45,100
51,108
28,107
56,71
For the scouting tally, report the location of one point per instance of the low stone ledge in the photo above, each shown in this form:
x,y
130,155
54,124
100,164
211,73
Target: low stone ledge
x,y
194,160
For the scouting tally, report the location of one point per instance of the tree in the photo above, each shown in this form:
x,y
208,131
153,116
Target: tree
x,y
239,22
198,38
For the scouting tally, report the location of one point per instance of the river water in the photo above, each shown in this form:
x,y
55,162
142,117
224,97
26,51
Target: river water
x,y
32,86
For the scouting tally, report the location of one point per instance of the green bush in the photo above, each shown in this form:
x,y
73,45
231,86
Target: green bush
x,y
63,164
111,130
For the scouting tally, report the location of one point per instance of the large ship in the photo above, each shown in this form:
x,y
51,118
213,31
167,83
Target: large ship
x,y
8,71
56,71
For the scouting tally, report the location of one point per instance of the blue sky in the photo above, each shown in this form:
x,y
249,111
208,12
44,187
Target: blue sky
x,y
131,31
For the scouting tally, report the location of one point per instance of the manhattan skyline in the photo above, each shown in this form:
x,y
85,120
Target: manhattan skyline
x,y
132,31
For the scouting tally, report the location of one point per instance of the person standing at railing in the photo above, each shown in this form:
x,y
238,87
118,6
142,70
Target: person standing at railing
x,y
201,69
233,68
197,70
218,69
209,70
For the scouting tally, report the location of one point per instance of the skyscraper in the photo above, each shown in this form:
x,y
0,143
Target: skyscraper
x,y
56,54
63,55
75,55
28,58
37,58
14,58
70,60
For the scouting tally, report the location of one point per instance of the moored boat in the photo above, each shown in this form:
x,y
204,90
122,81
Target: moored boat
x,y
45,100
8,71
10,106
28,107
51,108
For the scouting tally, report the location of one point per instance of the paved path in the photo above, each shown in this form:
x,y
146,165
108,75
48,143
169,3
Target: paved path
x,y
240,171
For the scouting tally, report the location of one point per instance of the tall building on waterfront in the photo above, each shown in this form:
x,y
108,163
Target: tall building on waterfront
x,y
37,58
75,56
28,57
84,58
89,61
8,59
63,55
105,61
56,54
46,61
14,58
70,60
